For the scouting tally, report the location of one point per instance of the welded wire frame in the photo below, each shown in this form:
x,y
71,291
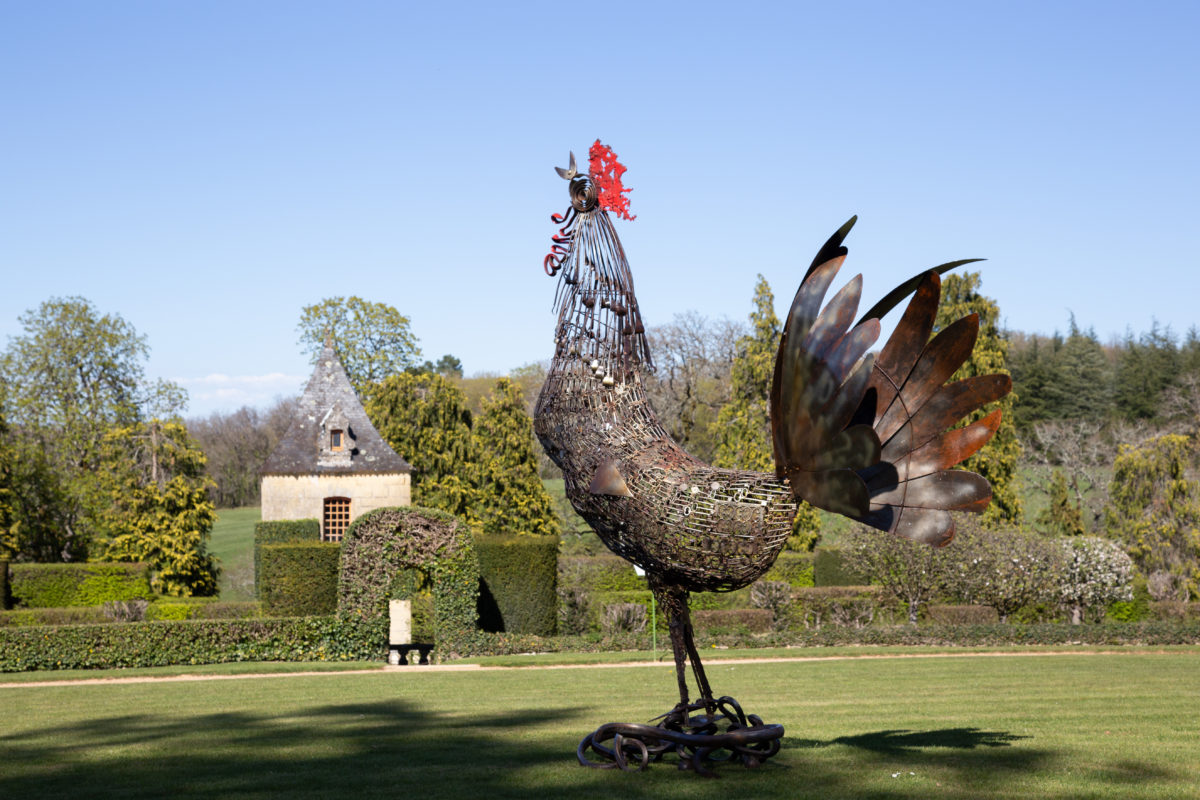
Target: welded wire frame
x,y
700,527
700,740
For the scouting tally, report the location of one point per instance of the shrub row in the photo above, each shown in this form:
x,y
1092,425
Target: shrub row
x,y
596,574
794,569
280,532
831,567
300,579
518,583
172,609
156,644
735,620
77,584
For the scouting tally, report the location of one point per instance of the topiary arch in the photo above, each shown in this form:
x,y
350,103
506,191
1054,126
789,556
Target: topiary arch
x,y
381,544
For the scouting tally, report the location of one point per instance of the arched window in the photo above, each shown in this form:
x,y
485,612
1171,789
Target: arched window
x,y
335,519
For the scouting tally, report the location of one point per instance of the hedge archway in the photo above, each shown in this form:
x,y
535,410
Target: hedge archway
x,y
382,543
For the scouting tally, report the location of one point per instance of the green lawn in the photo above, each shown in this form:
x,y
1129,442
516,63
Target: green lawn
x,y
233,543
1053,726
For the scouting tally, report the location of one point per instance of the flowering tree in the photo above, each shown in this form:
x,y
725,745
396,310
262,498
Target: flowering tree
x,y
1095,573
1005,569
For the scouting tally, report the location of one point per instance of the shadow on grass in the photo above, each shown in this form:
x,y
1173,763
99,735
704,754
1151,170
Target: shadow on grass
x,y
393,748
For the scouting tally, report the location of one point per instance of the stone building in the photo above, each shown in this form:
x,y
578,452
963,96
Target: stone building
x,y
332,464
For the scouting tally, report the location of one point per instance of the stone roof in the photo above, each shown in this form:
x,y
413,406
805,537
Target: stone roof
x,y
329,403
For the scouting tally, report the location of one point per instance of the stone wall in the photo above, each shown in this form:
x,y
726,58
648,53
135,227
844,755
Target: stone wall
x,y
302,496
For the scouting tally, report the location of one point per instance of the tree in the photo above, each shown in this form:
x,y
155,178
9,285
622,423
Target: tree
x,y
447,366
1095,573
372,339
1146,367
693,358
1081,449
153,506
1061,517
997,461
235,446
1154,508
8,534
511,495
1005,569
424,417
1082,386
743,427
912,573
71,377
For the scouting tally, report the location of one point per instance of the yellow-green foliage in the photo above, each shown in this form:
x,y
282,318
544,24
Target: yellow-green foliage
x,y
1154,508
424,417
997,461
512,498
373,340
151,505
60,585
1061,517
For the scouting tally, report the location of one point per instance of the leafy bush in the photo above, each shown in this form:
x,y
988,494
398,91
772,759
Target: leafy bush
x,y
519,574
623,618
157,644
749,620
78,584
300,579
71,615
1174,610
794,569
574,610
5,597
832,567
602,573
281,531
1096,573
962,615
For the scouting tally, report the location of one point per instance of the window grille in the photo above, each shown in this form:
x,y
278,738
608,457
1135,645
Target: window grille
x,y
336,519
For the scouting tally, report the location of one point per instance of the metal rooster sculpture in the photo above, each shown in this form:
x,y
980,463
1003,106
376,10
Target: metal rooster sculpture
x,y
867,436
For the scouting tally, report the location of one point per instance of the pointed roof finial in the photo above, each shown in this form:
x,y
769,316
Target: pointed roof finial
x,y
328,338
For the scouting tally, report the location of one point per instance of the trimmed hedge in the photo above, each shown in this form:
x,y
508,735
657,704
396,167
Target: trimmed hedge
x,y
750,620
78,584
282,531
794,569
173,610
152,644
518,576
832,568
300,579
159,644
5,597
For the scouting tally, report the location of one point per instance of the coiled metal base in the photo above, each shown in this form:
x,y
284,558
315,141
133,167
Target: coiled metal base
x,y
720,732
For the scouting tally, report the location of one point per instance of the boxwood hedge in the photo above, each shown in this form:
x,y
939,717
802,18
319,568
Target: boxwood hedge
x,y
281,532
518,583
300,579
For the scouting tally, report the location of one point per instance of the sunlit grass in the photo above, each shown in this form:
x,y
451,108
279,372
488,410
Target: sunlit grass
x,y
1056,726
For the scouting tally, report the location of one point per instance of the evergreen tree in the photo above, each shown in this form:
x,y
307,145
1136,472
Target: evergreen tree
x,y
1034,373
743,427
512,498
1082,387
424,417
997,461
1061,517
151,504
1154,508
1145,368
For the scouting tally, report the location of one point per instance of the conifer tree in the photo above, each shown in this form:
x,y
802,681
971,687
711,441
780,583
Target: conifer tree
x,y
151,504
997,461
512,498
743,427
1061,517
424,417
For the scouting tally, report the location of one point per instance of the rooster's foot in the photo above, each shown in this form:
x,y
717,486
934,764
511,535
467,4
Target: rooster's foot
x,y
720,732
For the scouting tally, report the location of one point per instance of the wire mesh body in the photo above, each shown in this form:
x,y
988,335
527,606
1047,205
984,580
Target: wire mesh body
x,y
688,523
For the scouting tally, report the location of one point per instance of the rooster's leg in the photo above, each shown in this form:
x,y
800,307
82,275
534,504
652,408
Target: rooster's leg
x,y
673,601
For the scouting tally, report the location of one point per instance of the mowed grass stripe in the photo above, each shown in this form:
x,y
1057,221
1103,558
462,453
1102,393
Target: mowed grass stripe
x,y
1061,726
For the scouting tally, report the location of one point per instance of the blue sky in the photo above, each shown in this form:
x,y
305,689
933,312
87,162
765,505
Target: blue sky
x,y
207,169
